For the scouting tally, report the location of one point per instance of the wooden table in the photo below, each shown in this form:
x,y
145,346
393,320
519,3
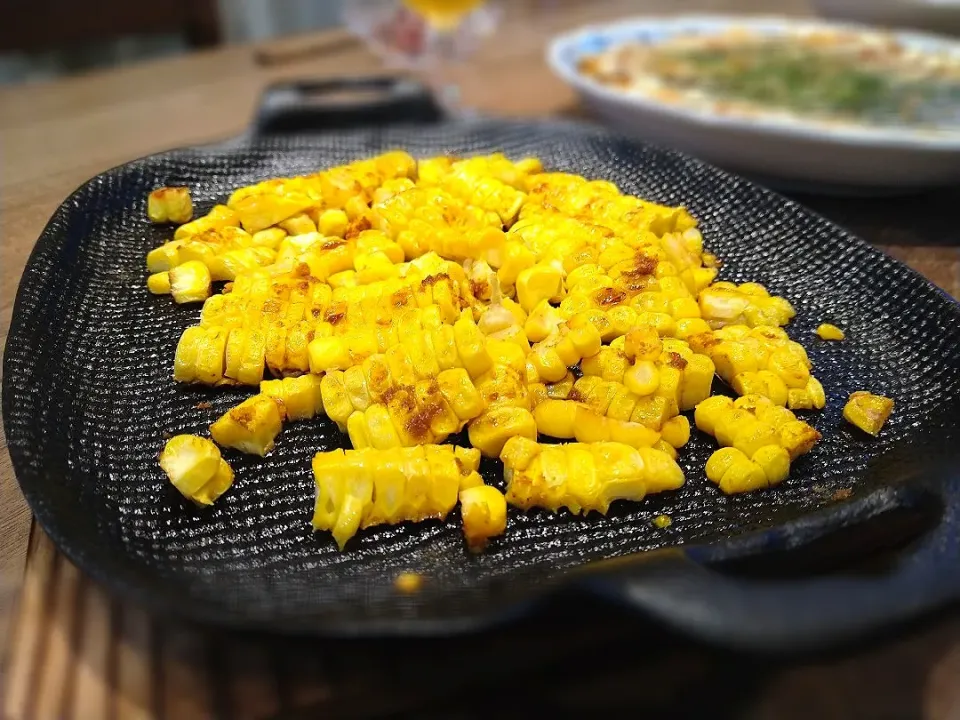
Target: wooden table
x,y
70,651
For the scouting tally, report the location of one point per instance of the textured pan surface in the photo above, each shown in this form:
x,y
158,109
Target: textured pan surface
x,y
88,397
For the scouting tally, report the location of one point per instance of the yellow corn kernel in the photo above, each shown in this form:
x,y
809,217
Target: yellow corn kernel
x,y
195,468
299,397
797,438
541,282
642,343
867,411
490,431
811,397
336,400
710,412
460,393
190,282
542,321
484,512
250,427
676,431
642,378
775,463
164,257
826,331
170,205
697,381
298,225
159,283
556,418
550,368
470,346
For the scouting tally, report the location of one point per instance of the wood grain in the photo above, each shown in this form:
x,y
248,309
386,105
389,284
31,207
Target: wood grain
x,y
71,651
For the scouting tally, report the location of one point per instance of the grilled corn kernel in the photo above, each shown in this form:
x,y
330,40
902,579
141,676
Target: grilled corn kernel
x,y
362,488
250,427
299,397
484,512
642,378
867,411
190,282
159,283
170,205
490,431
584,477
541,282
568,420
826,331
676,431
195,468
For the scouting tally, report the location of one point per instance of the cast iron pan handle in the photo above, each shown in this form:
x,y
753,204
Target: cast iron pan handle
x,y
307,106
792,615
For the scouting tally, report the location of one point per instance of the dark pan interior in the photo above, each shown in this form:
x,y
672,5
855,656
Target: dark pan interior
x,y
89,399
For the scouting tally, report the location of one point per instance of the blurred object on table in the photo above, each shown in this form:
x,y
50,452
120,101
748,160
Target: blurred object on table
x,y
46,38
809,104
936,16
425,36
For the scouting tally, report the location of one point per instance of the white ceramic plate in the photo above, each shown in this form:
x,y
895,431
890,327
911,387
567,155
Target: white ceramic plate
x,y
786,149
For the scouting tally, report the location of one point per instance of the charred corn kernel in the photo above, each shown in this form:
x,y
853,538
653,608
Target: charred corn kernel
x,y
642,343
484,512
826,331
460,393
170,205
250,427
159,283
567,420
367,487
867,411
584,477
299,397
676,431
492,429
195,468
190,282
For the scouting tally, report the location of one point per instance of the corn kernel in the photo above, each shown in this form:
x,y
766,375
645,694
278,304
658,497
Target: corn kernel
x,y
826,331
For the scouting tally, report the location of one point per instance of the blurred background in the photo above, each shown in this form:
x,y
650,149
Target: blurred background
x,y
97,34
103,33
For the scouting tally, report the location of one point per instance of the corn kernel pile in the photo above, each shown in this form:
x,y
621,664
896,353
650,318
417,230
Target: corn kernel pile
x,y
409,300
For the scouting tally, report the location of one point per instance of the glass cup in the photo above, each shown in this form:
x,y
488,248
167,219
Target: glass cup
x,y
425,37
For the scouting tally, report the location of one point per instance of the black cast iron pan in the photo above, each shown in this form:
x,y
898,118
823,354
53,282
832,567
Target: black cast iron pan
x,y
88,400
